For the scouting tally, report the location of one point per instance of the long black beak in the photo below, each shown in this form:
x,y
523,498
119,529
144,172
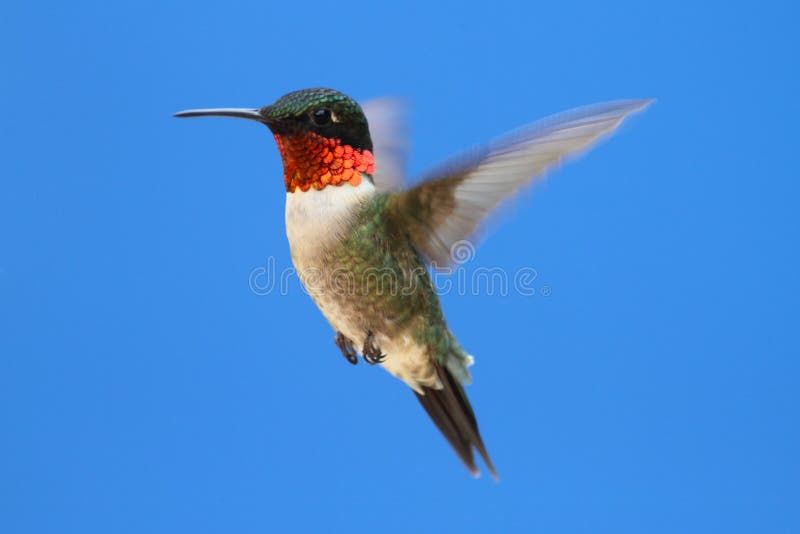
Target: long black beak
x,y
251,114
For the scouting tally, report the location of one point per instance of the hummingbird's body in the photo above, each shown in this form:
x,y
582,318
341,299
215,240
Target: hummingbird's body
x,y
365,276
367,279
362,251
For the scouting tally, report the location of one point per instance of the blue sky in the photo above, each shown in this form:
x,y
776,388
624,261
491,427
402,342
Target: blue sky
x,y
144,387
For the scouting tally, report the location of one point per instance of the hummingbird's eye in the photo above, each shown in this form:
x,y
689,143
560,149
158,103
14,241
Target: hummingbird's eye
x,y
321,116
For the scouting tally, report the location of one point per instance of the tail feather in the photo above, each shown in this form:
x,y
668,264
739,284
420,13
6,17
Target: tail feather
x,y
450,410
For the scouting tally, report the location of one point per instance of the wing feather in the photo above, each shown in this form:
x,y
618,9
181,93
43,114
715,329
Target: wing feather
x,y
450,204
389,132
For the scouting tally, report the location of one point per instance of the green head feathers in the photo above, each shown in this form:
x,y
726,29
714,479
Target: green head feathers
x,y
326,112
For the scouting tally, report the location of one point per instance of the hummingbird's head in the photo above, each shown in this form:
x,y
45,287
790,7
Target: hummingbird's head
x,y
322,135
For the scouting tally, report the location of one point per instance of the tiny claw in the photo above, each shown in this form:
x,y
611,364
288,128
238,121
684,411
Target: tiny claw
x,y
347,347
371,352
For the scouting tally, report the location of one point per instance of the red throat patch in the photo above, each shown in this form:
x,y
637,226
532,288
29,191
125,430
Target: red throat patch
x,y
310,160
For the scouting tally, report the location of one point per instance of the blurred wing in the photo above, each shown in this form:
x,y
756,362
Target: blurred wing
x,y
450,204
389,133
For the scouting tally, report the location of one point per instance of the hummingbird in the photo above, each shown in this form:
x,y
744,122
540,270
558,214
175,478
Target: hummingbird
x,y
362,243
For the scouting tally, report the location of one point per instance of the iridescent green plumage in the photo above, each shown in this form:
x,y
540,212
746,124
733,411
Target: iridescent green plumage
x,y
391,287
298,102
386,288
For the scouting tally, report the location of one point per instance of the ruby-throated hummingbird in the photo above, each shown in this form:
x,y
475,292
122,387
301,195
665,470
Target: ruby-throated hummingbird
x,y
361,244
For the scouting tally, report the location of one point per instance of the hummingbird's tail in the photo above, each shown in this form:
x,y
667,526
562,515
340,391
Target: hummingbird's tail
x,y
451,412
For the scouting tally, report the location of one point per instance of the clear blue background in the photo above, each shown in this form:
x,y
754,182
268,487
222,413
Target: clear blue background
x,y
144,388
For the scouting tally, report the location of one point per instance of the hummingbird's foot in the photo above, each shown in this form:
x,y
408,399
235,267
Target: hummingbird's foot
x,y
372,353
347,347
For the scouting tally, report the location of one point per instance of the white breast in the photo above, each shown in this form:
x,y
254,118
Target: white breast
x,y
315,218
